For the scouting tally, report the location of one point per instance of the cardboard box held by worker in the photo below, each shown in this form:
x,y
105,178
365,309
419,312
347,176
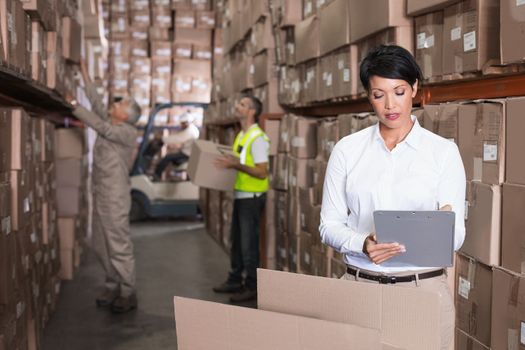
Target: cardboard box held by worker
x,y
202,170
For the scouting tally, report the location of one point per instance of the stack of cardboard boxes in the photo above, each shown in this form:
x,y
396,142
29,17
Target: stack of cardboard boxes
x,y
161,51
29,245
72,204
488,134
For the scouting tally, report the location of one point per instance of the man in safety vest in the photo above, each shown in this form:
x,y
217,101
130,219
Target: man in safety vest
x,y
252,149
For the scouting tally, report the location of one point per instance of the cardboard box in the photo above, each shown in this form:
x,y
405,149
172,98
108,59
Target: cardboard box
x,y
474,298
193,36
161,80
334,26
70,143
203,156
288,12
139,48
21,198
264,69
307,39
512,224
442,119
271,128
14,139
319,171
162,18
512,37
71,39
267,94
300,174
280,172
429,43
160,49
294,250
281,216
325,86
345,72
345,124
284,133
233,326
205,19
38,52
15,28
184,19
471,36
70,172
202,52
305,253
262,36
67,233
141,18
311,84
158,33
508,311
69,201
327,137
182,51
394,312
67,264
515,143
483,222
309,8
371,17
482,140
304,138
419,7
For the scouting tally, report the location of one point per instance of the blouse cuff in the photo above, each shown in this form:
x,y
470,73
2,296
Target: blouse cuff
x,y
357,242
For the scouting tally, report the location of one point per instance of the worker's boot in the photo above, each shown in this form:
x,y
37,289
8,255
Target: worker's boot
x,y
228,287
124,304
106,298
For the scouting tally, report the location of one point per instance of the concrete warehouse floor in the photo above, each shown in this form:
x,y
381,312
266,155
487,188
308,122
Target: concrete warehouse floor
x,y
172,258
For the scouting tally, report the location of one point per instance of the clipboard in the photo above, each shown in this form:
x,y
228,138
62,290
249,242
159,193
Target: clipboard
x,y
427,235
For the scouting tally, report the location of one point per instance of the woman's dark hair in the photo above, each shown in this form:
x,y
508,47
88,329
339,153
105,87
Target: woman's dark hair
x,y
392,62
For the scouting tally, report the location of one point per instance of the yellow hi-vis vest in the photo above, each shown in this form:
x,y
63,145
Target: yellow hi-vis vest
x,y
242,148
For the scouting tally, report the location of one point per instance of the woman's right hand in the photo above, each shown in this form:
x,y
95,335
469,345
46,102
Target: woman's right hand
x,y
381,252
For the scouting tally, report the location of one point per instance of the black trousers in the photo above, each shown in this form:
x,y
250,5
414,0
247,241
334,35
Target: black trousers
x,y
246,220
175,158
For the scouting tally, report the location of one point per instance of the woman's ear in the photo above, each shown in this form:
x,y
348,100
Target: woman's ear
x,y
414,88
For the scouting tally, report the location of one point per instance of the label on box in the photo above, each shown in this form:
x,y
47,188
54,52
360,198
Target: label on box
x,y
520,2
163,70
429,42
164,19
329,79
513,339
463,287
466,210
346,75
421,39
291,48
140,52
20,308
308,8
6,225
490,152
142,18
33,237
469,41
455,34
307,258
294,258
316,178
303,220
205,55
252,69
140,35
522,333
283,253
163,52
298,142
320,3
330,146
26,205
341,64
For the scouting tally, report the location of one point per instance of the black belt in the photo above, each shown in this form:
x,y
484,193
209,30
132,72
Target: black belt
x,y
395,279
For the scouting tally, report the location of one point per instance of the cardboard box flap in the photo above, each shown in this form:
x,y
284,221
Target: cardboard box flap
x,y
208,325
395,312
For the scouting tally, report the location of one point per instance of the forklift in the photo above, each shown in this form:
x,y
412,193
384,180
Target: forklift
x,y
160,199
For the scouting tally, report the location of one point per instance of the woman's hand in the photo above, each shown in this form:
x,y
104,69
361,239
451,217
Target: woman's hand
x,y
381,252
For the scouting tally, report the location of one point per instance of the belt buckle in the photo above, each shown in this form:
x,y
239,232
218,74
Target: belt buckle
x,y
387,279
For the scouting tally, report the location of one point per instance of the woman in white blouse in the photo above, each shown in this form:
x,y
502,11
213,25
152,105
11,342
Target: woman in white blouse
x,y
393,165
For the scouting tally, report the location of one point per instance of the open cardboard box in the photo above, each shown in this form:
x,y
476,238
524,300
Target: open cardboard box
x,y
307,312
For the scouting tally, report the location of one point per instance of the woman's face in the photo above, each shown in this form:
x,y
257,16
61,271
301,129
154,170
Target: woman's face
x,y
392,100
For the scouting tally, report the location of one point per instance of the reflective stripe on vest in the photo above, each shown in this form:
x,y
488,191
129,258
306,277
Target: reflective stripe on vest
x,y
242,148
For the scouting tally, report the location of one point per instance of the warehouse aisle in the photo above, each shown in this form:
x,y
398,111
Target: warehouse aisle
x,y
172,259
